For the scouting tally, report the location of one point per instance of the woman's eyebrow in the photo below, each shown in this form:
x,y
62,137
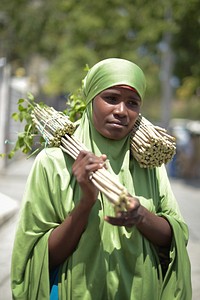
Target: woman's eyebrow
x,y
135,97
110,92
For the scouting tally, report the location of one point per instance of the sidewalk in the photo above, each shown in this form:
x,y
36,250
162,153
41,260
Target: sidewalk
x,y
8,207
12,183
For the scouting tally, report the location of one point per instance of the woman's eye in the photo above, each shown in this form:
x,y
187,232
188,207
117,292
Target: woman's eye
x,y
133,103
111,99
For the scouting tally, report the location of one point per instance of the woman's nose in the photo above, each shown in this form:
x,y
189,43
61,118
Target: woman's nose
x,y
120,109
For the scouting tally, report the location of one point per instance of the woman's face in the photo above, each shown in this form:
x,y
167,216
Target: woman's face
x,y
115,111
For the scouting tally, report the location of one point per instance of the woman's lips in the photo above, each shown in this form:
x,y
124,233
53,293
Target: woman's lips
x,y
117,124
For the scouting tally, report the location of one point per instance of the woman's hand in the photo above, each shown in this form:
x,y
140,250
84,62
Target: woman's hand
x,y
85,164
155,228
130,217
75,223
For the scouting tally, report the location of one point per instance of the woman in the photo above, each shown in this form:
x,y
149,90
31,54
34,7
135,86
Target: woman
x,y
69,243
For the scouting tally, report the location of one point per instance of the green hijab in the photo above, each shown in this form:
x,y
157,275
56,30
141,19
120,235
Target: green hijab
x,y
110,72
107,73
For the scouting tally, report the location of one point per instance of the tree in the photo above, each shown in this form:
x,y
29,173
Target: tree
x,y
70,34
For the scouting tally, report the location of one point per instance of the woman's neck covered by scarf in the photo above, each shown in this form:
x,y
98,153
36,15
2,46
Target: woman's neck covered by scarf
x,y
116,150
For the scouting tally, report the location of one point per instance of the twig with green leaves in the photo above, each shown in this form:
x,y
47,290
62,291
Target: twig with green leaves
x,y
25,139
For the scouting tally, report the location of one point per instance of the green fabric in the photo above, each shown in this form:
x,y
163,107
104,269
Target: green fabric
x,y
113,71
109,262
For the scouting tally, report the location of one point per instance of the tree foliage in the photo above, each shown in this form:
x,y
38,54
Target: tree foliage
x,y
70,34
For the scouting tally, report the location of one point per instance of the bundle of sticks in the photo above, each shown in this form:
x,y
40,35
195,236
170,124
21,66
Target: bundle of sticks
x,y
51,124
57,130
150,145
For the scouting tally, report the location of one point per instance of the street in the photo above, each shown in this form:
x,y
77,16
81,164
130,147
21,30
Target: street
x,y
12,182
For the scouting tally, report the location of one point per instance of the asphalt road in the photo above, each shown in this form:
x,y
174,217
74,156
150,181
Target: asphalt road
x,y
12,183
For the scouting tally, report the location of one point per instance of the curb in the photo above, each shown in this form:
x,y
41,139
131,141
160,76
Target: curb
x,y
8,207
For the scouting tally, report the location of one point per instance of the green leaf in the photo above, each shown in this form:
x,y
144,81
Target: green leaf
x,y
15,116
20,101
31,97
25,150
21,107
11,154
21,141
22,115
28,140
17,146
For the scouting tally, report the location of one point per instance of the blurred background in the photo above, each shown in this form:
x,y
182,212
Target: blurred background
x,y
45,48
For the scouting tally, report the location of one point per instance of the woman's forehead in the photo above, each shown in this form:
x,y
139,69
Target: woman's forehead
x,y
119,88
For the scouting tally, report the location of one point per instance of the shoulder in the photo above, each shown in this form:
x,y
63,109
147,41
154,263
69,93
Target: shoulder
x,y
50,153
53,157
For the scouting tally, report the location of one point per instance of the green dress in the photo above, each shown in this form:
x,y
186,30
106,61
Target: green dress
x,y
109,262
